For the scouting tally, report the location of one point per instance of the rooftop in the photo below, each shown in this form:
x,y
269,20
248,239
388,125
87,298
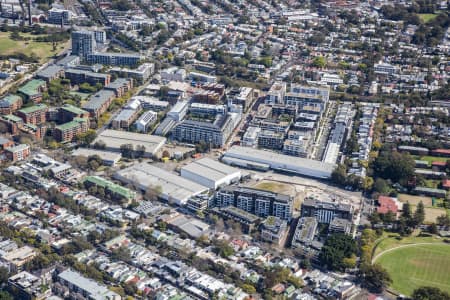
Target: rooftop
x,y
32,87
34,108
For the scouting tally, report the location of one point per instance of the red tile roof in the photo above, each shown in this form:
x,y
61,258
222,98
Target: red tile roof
x,y
439,163
386,204
446,183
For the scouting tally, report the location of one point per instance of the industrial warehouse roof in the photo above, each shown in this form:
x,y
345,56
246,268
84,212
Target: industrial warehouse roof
x,y
115,138
280,162
173,186
211,169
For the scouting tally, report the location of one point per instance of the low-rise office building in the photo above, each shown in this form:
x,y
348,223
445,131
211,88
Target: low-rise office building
x,y
146,120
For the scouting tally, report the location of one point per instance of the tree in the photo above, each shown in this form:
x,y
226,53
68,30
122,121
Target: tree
x,y
433,228
248,288
319,62
381,186
152,193
166,154
394,165
339,175
4,275
140,151
127,150
406,211
443,220
4,295
336,248
419,214
121,253
429,293
375,277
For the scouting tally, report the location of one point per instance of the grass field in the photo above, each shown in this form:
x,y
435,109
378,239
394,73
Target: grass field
x,y
276,187
392,240
40,49
427,17
430,159
418,265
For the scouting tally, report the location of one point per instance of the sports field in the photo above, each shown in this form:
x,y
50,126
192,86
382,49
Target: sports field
x,y
413,266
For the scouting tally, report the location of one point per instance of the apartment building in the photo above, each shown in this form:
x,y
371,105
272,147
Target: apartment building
x,y
202,109
243,97
33,89
216,133
99,103
125,118
120,86
140,74
17,153
66,132
77,76
276,93
73,284
301,96
35,114
69,112
10,104
325,212
270,139
114,59
258,202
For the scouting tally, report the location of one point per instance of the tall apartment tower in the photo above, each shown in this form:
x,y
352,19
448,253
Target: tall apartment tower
x,y
83,43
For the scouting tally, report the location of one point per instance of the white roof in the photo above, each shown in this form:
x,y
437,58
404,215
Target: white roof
x,y
211,169
115,138
172,185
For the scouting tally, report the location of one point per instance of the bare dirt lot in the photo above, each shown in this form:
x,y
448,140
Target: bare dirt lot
x,y
414,200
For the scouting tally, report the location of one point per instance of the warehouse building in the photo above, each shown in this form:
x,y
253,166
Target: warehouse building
x,y
174,188
264,160
210,173
113,139
108,158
